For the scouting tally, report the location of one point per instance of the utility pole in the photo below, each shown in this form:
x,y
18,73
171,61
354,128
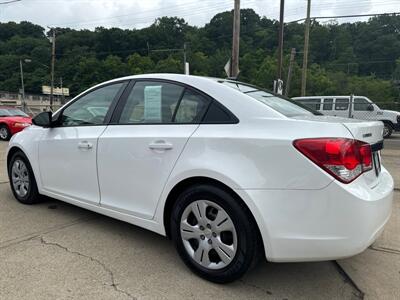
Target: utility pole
x,y
53,61
305,57
23,87
23,102
280,42
235,41
289,75
62,91
184,58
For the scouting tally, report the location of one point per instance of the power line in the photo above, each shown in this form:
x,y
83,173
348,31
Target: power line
x,y
361,63
128,51
142,13
345,4
346,16
189,8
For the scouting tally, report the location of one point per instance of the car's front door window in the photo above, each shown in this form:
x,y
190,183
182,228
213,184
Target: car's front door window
x,y
92,108
361,104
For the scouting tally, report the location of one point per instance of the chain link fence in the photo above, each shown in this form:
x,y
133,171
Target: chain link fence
x,y
349,107
356,107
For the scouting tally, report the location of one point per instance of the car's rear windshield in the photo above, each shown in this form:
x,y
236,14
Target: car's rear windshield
x,y
282,105
12,112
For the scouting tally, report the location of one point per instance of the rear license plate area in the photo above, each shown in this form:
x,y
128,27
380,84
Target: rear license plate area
x,y
376,158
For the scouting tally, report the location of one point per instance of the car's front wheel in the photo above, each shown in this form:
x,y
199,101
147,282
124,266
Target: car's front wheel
x,y
387,130
213,233
5,133
22,179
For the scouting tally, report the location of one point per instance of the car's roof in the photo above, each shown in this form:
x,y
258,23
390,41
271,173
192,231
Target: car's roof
x,y
239,103
170,76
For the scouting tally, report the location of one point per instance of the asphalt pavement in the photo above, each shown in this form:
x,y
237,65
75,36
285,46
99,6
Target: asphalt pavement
x,y
54,250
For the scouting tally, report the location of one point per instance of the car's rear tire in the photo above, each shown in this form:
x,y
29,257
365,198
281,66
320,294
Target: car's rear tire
x,y
22,179
5,133
213,233
387,130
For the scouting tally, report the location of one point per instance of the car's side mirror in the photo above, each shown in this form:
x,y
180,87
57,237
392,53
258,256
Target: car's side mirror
x,y
370,107
43,119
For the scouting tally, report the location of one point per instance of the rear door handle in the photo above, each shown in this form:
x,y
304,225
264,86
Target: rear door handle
x,y
160,145
85,145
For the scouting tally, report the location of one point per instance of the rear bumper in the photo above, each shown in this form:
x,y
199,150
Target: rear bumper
x,y
335,222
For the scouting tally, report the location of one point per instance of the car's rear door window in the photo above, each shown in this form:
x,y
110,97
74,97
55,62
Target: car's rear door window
x,y
191,108
151,102
158,102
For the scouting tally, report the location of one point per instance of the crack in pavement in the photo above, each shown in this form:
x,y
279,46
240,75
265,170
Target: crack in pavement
x,y
347,279
105,268
255,287
27,237
384,249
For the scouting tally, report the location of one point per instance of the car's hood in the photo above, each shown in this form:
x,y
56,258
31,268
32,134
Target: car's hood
x,y
19,119
392,111
362,130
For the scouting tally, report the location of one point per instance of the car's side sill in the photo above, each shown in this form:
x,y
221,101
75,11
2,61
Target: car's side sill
x,y
144,223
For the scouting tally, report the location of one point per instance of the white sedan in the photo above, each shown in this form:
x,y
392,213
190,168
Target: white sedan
x,y
225,169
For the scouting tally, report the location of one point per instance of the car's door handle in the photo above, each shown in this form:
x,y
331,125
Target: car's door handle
x,y
85,145
160,145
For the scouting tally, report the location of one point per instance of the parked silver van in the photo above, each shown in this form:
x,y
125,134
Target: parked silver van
x,y
357,107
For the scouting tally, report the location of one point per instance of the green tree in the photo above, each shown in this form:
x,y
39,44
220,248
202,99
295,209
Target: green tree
x,y
169,65
138,64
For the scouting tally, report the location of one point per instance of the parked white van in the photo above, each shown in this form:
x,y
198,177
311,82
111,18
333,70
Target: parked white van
x,y
361,108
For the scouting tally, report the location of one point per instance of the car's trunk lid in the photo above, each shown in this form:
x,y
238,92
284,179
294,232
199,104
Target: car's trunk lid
x,y
367,131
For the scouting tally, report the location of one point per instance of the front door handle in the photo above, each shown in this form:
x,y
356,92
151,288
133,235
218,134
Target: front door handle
x,y
160,145
85,145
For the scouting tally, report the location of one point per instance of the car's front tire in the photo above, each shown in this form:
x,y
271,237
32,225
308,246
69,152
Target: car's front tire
x,y
5,133
22,179
387,130
213,233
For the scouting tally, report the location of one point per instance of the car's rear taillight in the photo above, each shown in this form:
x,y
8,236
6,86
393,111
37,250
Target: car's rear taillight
x,y
345,159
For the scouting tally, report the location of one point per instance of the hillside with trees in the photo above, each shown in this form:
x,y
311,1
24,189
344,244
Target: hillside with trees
x,y
361,58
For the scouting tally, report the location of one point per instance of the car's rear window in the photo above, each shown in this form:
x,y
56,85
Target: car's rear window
x,y
282,105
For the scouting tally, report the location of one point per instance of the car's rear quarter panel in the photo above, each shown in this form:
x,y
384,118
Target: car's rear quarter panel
x,y
257,155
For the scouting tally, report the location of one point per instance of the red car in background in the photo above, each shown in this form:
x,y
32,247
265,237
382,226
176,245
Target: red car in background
x,y
12,120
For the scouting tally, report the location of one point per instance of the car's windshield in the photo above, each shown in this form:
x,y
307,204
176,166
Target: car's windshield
x,y
12,112
282,105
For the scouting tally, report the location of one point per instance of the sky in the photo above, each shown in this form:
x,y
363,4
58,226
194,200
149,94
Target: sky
x,y
89,14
